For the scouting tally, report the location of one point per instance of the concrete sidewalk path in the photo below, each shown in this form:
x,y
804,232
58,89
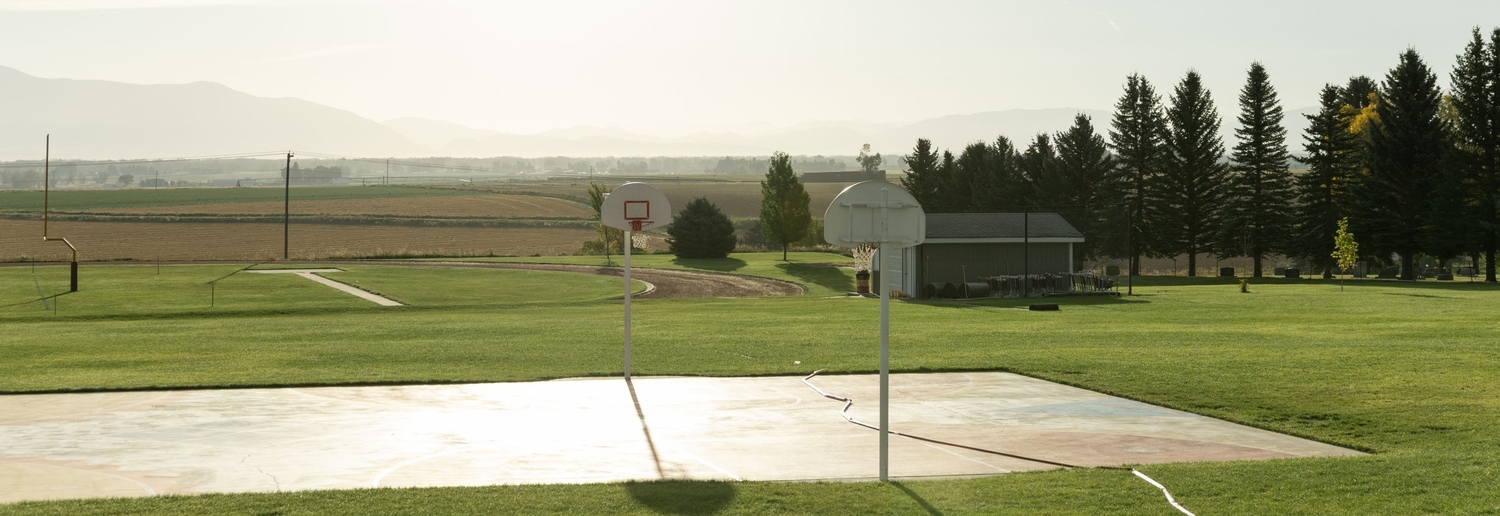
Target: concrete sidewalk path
x,y
313,274
592,430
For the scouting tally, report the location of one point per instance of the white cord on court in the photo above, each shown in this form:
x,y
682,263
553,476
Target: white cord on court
x,y
849,403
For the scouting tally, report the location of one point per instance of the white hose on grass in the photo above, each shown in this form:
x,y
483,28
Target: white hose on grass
x,y
849,403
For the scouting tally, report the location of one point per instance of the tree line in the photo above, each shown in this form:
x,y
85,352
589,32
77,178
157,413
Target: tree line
x,y
1415,169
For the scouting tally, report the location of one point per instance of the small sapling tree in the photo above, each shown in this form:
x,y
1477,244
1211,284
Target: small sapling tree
x,y
609,238
1345,249
700,230
784,214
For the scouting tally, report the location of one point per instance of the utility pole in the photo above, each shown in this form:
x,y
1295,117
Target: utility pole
x,y
1130,263
286,221
388,171
1025,249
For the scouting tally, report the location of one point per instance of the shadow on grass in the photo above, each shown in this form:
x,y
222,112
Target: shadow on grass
x,y
710,264
1163,281
918,498
682,496
1061,301
831,278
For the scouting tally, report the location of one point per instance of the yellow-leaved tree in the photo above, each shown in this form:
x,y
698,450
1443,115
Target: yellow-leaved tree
x,y
1345,249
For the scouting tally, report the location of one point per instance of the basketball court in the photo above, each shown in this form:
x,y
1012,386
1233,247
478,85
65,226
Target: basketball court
x,y
591,430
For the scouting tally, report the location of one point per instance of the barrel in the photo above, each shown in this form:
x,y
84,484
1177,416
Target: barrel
x,y
976,289
949,291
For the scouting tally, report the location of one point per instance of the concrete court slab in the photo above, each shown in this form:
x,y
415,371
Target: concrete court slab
x,y
590,430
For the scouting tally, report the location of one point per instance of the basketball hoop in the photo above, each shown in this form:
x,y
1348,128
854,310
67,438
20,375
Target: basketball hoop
x,y
629,209
637,213
635,207
877,213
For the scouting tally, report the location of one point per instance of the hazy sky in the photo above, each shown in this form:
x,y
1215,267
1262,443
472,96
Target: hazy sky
x,y
673,67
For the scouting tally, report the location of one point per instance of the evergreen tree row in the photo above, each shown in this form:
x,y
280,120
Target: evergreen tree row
x,y
1417,172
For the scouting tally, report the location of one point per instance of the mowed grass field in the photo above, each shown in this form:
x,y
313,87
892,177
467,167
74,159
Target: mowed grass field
x,y
149,241
1409,372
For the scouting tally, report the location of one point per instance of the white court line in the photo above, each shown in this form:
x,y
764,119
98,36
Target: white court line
x,y
705,462
347,289
148,489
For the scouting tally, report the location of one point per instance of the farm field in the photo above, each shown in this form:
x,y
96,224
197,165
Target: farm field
x,y
31,200
473,205
1417,384
736,199
20,240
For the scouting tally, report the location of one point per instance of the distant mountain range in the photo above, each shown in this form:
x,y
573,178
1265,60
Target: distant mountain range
x,y
110,120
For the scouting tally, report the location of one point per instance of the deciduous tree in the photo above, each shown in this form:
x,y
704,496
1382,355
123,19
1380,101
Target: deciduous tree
x,y
784,212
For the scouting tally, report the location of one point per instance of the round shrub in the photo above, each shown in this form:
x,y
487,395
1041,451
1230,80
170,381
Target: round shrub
x,y
700,230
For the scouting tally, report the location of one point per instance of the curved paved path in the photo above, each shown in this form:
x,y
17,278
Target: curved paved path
x,y
668,282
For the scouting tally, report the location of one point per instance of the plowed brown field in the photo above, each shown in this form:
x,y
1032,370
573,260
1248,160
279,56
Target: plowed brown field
x,y
21,239
486,205
735,199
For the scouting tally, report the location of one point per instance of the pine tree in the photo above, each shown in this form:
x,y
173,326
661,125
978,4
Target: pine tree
x,y
784,212
1194,181
923,177
1320,191
1257,221
1357,93
1476,103
1036,166
998,182
1137,134
972,180
1392,206
1078,185
701,230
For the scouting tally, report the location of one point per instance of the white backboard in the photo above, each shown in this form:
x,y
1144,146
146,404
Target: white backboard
x,y
635,202
874,212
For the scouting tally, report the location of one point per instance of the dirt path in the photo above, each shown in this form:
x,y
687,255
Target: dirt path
x,y
669,283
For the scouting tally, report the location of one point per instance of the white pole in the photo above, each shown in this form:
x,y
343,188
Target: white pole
x,y
627,304
885,372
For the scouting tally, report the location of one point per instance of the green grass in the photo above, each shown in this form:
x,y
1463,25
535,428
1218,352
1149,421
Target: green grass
x,y
176,292
1410,372
73,200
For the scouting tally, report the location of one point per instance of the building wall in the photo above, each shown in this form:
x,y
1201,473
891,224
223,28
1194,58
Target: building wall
x,y
947,263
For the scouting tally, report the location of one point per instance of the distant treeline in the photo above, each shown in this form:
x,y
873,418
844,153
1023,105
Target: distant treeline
x,y
28,174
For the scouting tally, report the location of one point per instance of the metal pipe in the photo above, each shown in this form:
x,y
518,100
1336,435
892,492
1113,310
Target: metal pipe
x,y
46,209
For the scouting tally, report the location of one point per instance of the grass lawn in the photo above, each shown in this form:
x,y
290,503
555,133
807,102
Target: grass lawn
x,y
1410,372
